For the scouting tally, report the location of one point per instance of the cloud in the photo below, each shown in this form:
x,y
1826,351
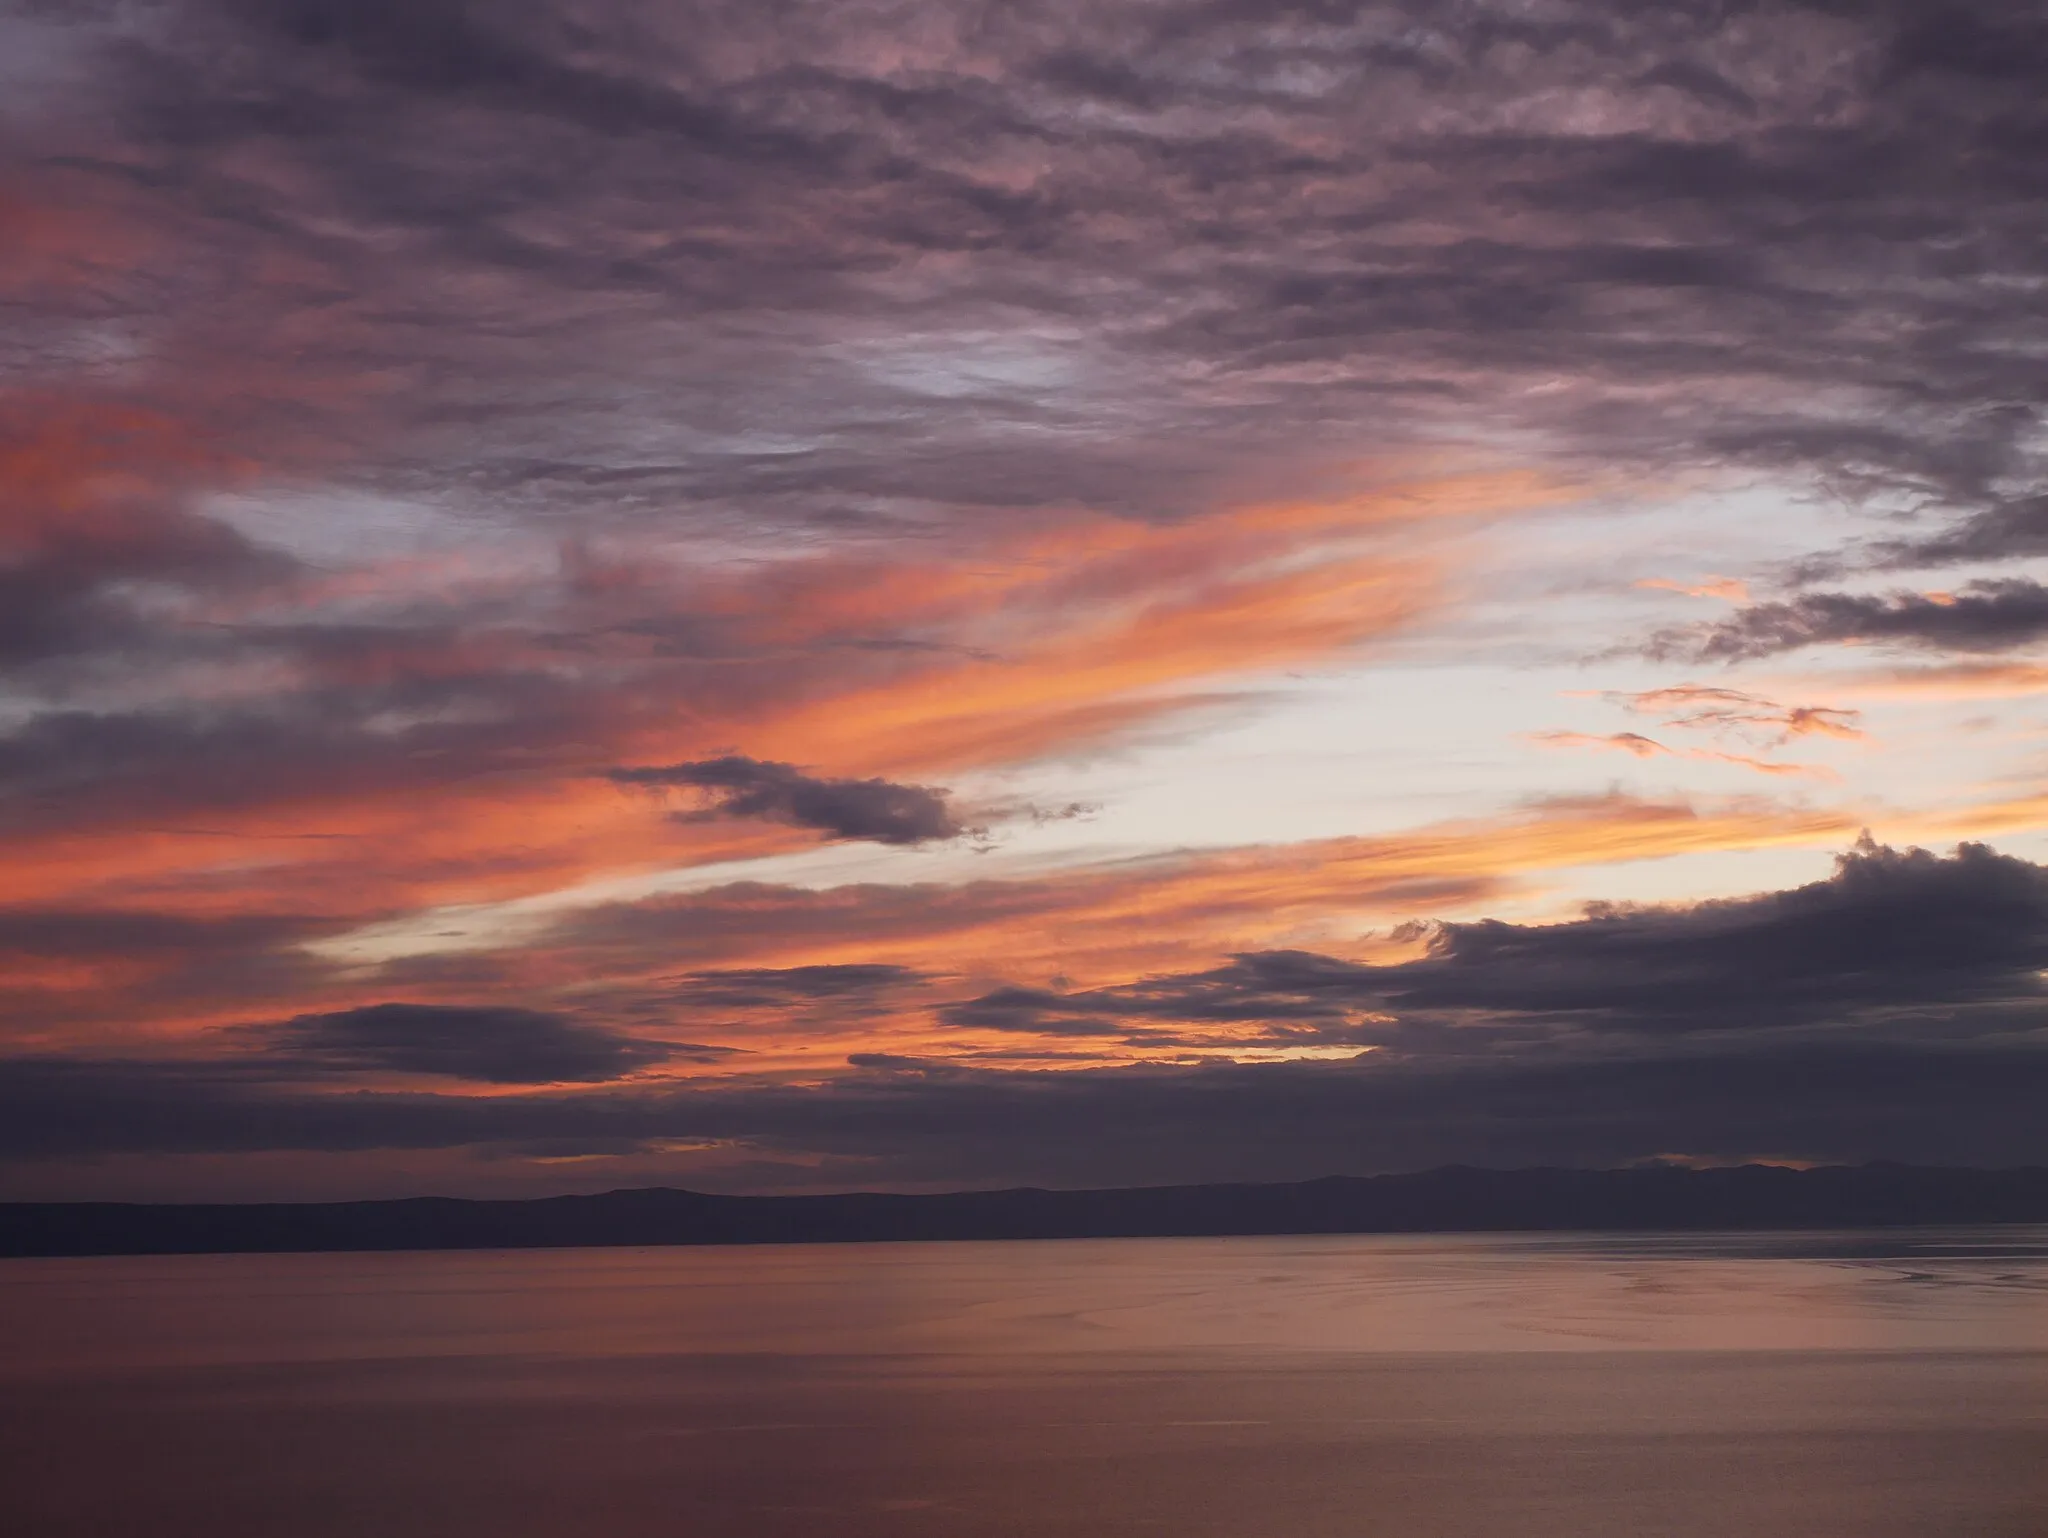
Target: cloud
x,y
1633,743
1733,589
371,707
907,1121
1987,616
69,974
791,972
97,501
1175,279
771,987
107,935
1035,1010
1120,917
1889,937
1638,746
1702,708
1950,681
1892,1010
879,810
2008,530
490,1044
426,408
640,287
1634,233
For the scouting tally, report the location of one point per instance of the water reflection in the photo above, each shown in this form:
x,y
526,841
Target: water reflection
x,y
1929,1289
1792,1386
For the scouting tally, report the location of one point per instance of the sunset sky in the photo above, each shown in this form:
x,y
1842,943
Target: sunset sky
x,y
940,593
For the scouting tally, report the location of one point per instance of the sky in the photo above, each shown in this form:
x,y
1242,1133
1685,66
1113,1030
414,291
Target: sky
x,y
928,594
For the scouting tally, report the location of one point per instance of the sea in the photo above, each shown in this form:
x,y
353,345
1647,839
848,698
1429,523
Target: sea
x,y
1831,1385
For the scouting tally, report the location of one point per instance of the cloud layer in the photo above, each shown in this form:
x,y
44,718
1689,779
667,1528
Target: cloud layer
x,y
491,1044
873,809
1891,1011
1893,944
487,491
1989,616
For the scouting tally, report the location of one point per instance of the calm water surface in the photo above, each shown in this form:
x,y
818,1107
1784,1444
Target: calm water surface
x,y
1811,1386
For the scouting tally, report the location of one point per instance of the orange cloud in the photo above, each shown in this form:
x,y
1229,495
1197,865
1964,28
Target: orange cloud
x,y
1729,589
1698,707
1949,681
2018,814
1648,747
1628,742
1024,644
1093,925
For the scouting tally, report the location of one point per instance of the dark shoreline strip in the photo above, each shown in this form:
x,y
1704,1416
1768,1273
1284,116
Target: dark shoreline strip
x,y
1434,1201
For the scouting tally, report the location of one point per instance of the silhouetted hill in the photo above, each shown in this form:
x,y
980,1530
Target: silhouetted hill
x,y
1442,1200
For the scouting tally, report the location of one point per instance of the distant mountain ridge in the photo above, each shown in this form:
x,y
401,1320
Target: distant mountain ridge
x,y
1434,1201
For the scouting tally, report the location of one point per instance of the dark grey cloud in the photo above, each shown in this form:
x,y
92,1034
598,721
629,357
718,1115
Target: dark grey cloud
x,y
1987,616
879,810
700,929
2011,529
1040,1011
103,934
914,1121
1892,935
488,1043
66,594
1895,942
764,987
178,763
